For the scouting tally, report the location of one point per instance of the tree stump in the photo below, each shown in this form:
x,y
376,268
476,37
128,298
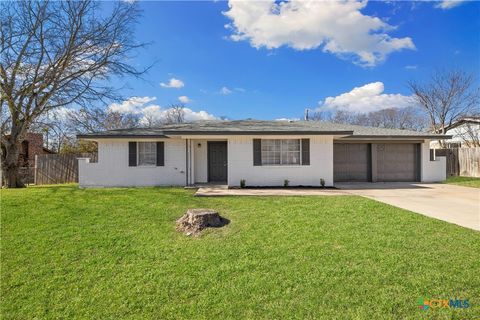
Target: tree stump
x,y
195,220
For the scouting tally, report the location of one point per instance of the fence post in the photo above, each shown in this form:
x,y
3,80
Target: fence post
x,y
35,170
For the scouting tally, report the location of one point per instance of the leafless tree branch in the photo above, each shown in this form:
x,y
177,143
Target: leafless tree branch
x,y
56,54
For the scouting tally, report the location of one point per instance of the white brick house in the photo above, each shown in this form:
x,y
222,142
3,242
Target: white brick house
x,y
263,153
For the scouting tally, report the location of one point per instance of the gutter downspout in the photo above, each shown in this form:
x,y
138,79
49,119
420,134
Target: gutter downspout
x,y
186,162
192,160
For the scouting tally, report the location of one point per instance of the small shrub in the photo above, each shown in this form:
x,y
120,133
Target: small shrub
x,y
286,183
322,183
242,183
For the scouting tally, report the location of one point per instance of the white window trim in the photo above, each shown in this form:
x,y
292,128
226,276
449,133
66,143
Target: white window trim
x,y
287,164
138,155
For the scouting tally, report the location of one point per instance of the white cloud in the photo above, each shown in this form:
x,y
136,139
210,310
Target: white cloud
x,y
61,113
131,105
367,98
338,27
191,115
184,99
156,113
448,4
225,91
141,106
411,67
173,83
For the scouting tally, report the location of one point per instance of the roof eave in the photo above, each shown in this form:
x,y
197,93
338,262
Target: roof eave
x,y
168,134
403,137
119,136
266,133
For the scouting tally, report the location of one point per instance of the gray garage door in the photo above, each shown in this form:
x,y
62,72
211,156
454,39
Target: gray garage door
x,y
351,162
397,162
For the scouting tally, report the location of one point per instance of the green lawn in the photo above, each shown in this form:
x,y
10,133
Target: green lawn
x,y
464,181
114,253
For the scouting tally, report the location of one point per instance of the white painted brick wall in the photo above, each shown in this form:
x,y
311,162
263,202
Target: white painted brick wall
x,y
201,166
240,164
112,169
432,171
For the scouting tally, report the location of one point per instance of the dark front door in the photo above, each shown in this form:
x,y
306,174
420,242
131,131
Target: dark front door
x,y
217,161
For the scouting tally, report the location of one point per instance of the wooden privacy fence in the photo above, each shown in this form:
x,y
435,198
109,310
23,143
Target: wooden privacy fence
x,y
461,161
469,162
59,168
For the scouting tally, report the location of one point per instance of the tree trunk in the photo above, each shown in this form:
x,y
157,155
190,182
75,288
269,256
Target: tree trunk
x,y
11,165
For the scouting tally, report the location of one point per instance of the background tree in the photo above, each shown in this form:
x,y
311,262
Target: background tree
x,y
467,130
446,97
471,135
175,114
54,54
410,118
88,120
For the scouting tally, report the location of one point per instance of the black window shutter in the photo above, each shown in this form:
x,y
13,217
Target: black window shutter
x,y
305,152
132,154
160,153
257,152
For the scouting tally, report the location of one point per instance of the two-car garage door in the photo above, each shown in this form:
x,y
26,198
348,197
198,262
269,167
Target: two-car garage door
x,y
351,162
382,162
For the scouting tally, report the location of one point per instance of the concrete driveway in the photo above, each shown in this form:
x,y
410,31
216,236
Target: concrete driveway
x,y
454,204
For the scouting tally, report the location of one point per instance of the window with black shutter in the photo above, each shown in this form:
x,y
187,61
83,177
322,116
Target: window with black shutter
x,y
305,152
257,152
132,154
160,153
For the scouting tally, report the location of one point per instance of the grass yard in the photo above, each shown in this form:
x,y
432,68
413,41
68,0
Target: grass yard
x,y
114,253
464,181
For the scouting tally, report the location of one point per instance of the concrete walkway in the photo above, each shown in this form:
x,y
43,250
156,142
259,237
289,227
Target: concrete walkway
x,y
216,191
451,203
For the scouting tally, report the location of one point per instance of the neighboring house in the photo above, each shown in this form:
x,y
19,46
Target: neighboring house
x,y
264,153
32,146
465,133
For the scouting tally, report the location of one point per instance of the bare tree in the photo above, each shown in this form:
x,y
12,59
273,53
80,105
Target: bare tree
x,y
410,118
471,135
55,54
404,118
467,130
53,125
175,114
88,120
446,97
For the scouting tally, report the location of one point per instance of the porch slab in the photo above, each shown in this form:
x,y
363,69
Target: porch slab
x,y
219,191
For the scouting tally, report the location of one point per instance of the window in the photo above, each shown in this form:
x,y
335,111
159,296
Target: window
x,y
281,152
147,154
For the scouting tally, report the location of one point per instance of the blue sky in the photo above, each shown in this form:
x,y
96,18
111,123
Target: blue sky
x,y
274,70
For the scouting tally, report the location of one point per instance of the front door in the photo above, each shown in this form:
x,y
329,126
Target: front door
x,y
217,161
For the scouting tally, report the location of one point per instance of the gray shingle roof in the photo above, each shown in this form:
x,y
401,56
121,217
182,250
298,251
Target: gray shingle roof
x,y
244,127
